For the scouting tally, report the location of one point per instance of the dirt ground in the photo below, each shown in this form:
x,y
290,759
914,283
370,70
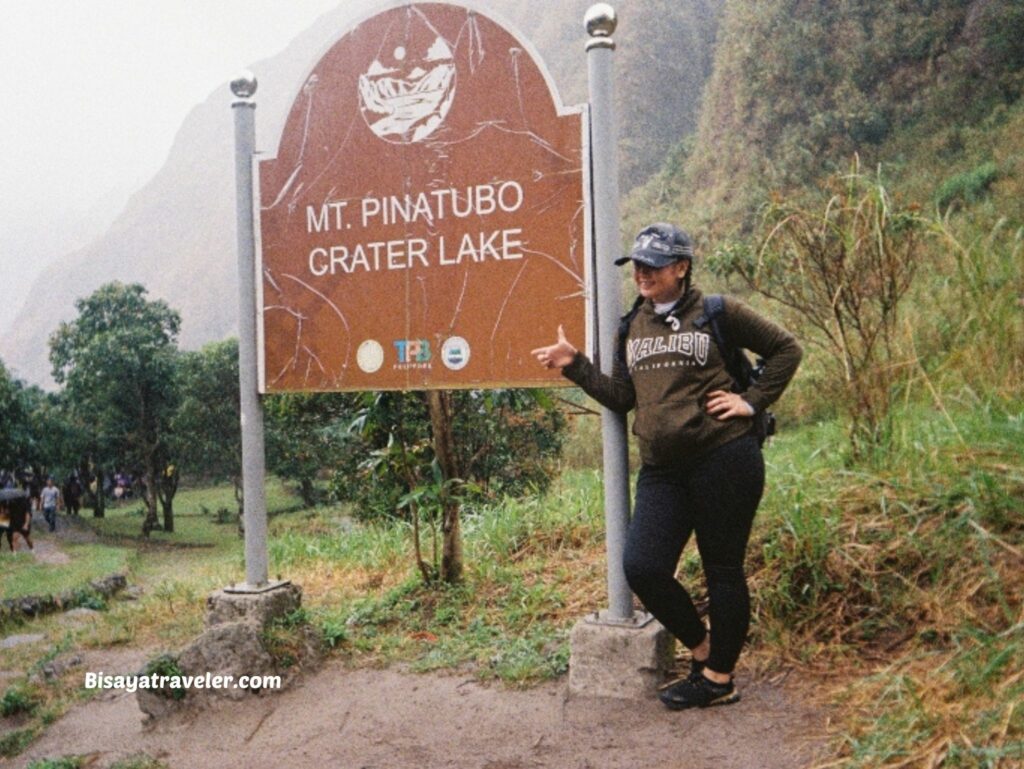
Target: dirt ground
x,y
377,719
389,718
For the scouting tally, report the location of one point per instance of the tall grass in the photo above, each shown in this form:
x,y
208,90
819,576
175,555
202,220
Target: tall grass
x,y
905,578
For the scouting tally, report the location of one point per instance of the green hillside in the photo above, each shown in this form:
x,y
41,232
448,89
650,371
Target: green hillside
x,y
928,89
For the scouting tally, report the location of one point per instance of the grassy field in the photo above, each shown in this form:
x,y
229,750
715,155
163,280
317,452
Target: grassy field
x,y
21,575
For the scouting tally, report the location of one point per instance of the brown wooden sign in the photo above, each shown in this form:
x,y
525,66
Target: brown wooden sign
x,y
422,225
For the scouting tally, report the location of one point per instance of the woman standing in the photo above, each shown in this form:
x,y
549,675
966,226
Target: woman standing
x,y
702,467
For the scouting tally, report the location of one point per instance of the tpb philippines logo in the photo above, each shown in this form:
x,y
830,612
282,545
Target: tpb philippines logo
x,y
413,353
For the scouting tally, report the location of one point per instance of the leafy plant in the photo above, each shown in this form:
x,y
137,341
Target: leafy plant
x,y
967,186
18,700
12,743
166,665
285,637
65,762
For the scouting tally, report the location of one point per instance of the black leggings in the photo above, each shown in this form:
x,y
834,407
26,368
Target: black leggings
x,y
715,495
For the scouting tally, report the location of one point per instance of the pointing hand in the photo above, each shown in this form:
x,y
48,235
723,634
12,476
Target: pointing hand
x,y
558,355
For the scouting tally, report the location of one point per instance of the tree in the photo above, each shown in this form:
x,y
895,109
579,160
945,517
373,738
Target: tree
x,y
306,433
207,424
116,361
429,454
16,434
36,429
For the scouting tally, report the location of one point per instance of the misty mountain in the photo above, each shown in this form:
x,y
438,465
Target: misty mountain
x,y
176,235
801,87
36,246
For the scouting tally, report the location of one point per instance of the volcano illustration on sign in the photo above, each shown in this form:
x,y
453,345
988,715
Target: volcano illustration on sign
x,y
408,89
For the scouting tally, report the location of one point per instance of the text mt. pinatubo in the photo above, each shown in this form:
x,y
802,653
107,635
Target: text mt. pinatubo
x,y
351,218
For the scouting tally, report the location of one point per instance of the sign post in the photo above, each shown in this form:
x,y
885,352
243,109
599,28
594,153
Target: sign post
x,y
253,472
601,22
616,652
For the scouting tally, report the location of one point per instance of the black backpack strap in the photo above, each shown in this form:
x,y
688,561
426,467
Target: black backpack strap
x,y
623,333
736,363
714,308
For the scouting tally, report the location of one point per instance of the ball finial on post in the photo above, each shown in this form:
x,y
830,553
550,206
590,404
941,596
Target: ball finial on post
x,y
244,86
601,20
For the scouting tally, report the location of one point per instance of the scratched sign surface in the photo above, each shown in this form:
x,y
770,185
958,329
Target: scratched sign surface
x,y
422,225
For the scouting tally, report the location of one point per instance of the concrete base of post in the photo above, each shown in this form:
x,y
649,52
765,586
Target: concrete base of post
x,y
625,660
235,643
260,606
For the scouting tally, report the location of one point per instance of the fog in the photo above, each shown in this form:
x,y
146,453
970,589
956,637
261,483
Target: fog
x,y
93,93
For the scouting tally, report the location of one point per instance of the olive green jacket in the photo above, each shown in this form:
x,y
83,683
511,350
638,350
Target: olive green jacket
x,y
671,366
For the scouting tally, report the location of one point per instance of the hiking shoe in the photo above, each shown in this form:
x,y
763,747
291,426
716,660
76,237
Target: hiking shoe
x,y
698,692
696,669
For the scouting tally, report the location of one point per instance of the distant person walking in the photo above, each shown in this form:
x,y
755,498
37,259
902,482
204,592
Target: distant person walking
x,y
72,492
702,467
34,488
50,497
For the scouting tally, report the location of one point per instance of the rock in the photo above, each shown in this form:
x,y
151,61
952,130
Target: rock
x,y
35,605
132,593
231,648
235,644
109,585
58,667
17,640
228,649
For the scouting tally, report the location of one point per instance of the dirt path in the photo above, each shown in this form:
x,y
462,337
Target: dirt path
x,y
46,548
47,551
372,719
377,719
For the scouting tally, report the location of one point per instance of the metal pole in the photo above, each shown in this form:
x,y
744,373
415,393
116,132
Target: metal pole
x,y
601,22
254,501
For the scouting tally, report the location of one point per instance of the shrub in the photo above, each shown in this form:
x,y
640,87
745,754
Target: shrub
x,y
166,665
506,442
842,268
17,700
967,186
12,743
65,762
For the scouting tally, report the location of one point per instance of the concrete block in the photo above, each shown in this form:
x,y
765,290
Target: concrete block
x,y
616,659
259,608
